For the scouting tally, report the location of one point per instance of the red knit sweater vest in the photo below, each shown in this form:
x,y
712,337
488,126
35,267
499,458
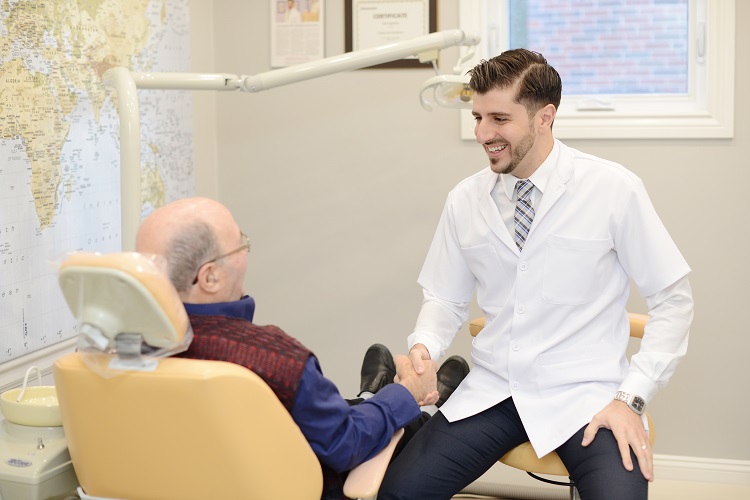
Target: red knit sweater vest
x,y
270,353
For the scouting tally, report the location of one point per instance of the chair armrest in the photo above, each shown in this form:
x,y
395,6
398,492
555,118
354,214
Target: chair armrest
x,y
637,324
364,480
476,326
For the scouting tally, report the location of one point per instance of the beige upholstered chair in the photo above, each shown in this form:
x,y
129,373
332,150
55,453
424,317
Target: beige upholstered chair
x,y
524,457
172,428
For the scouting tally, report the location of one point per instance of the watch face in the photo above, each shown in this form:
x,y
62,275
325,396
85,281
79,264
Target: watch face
x,y
638,404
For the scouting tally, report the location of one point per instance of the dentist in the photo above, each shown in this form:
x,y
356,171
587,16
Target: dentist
x,y
550,239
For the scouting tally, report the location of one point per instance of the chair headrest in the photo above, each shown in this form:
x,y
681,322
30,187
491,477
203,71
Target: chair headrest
x,y
124,293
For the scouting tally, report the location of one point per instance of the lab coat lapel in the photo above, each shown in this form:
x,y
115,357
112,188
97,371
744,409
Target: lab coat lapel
x,y
491,214
555,187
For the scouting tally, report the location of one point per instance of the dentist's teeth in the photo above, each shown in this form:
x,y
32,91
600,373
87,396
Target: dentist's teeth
x,y
495,149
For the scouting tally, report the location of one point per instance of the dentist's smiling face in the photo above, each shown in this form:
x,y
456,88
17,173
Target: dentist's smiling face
x,y
507,133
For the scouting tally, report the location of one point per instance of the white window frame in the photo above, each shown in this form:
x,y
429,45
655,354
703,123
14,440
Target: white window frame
x,y
705,112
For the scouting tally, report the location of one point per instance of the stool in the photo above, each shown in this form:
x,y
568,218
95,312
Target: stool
x,y
523,456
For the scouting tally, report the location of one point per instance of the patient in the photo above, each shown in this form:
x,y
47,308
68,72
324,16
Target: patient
x,y
207,260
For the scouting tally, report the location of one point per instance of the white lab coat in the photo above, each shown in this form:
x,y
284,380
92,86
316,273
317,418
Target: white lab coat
x,y
556,327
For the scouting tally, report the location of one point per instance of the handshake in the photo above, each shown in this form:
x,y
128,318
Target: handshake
x,y
423,387
426,383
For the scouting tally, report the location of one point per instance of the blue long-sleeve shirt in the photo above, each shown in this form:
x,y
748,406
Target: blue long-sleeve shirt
x,y
340,435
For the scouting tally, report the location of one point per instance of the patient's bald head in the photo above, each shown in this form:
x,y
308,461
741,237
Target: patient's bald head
x,y
191,233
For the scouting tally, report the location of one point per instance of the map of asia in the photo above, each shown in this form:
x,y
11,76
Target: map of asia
x,y
59,144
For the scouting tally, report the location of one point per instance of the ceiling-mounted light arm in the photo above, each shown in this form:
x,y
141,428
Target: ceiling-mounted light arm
x,y
186,81
425,47
125,83
468,56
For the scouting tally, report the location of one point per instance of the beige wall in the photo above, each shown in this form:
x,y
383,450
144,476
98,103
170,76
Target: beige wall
x,y
340,181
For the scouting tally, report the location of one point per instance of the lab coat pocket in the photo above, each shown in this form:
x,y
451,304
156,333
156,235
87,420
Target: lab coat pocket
x,y
575,269
493,281
480,356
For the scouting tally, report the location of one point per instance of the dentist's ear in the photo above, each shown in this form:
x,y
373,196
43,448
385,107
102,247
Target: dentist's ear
x,y
547,114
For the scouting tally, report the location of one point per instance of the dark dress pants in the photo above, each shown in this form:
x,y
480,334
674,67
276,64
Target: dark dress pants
x,y
443,458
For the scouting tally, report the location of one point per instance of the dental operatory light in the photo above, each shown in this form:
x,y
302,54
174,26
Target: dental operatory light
x,y
449,91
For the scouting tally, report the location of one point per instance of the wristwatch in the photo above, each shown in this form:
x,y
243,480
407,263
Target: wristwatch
x,y
635,403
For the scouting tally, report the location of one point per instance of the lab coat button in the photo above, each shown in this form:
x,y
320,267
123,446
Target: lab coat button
x,y
520,309
516,346
514,386
523,266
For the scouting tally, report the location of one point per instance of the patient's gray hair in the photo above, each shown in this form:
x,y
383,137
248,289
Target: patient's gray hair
x,y
187,251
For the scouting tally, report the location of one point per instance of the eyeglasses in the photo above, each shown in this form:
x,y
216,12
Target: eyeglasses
x,y
245,247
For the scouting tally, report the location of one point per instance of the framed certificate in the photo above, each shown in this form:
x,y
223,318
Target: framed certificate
x,y
371,23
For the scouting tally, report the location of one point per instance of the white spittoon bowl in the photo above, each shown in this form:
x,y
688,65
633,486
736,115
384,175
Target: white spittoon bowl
x,y
38,407
32,406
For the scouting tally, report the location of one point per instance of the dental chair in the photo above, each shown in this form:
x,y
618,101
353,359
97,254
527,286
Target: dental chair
x,y
142,425
523,456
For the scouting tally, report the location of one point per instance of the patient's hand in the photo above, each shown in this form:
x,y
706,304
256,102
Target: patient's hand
x,y
422,387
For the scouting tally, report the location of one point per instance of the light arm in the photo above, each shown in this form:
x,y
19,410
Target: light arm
x,y
425,47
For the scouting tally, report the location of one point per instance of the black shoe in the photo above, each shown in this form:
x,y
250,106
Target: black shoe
x,y
449,375
378,369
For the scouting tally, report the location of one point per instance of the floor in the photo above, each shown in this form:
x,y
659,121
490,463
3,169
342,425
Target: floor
x,y
506,483
666,490
659,490
516,485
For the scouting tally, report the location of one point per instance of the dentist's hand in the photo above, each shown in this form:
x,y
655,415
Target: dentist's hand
x,y
418,355
628,430
423,387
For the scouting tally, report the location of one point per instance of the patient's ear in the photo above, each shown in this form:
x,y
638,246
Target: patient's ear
x,y
208,278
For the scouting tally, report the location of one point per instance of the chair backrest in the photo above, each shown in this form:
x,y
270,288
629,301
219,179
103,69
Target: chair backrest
x,y
104,290
191,429
172,428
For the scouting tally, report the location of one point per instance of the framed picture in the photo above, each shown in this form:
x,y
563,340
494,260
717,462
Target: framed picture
x,y
297,31
371,23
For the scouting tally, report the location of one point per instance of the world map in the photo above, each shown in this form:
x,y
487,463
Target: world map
x,y
59,144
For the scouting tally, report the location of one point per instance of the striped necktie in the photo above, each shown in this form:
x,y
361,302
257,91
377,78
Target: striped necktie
x,y
524,211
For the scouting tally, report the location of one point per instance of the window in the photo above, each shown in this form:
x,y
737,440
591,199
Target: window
x,y
630,68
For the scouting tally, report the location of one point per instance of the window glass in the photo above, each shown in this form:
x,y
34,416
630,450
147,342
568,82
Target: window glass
x,y
630,68
607,46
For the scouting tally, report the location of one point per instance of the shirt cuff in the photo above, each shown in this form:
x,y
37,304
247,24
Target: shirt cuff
x,y
401,403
